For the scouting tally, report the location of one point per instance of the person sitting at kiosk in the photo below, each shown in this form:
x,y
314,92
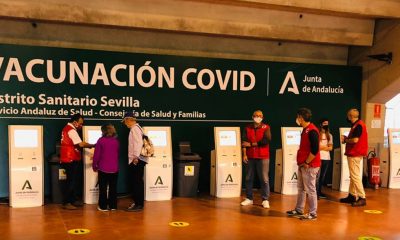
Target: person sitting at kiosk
x,y
255,147
70,158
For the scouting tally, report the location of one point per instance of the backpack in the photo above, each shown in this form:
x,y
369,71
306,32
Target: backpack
x,y
148,147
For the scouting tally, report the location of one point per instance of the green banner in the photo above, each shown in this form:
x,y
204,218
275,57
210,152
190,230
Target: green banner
x,y
43,85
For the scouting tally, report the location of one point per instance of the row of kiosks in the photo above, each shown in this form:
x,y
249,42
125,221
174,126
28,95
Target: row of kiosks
x,y
26,165
158,171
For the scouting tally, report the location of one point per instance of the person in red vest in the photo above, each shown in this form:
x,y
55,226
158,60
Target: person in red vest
x,y
70,157
309,162
255,145
356,149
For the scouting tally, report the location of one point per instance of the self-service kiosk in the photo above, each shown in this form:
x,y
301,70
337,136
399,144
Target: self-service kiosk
x,y
341,173
158,172
394,156
25,165
290,144
384,164
278,171
226,163
91,186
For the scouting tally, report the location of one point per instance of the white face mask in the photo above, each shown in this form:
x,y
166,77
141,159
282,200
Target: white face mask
x,y
257,119
298,122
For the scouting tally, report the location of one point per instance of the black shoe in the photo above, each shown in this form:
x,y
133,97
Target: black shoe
x,y
78,203
322,196
359,203
134,208
349,199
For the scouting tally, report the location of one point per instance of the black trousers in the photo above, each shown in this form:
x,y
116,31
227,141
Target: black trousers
x,y
322,175
137,173
70,185
107,180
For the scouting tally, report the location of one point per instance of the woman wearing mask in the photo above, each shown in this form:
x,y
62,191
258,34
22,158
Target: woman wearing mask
x,y
325,146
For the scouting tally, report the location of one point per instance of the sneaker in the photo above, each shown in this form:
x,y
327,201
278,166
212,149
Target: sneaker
x,y
247,202
294,213
265,204
359,203
69,206
349,199
308,217
101,209
134,208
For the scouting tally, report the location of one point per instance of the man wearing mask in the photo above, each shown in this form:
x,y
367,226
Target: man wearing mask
x,y
309,162
356,149
255,147
136,162
70,157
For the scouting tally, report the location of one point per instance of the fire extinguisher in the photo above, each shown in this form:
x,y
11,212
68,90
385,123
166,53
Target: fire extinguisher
x,y
373,169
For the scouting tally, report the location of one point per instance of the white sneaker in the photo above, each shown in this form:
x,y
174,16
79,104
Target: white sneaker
x,y
247,202
265,204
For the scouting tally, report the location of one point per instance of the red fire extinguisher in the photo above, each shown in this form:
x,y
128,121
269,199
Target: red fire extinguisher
x,y
373,169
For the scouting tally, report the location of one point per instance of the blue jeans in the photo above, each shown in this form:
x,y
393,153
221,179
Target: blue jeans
x,y
261,166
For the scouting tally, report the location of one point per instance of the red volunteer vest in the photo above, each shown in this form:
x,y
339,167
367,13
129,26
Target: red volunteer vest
x,y
361,147
256,135
68,151
305,147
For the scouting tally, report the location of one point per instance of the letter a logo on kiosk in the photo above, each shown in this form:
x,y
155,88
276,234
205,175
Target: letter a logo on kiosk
x,y
159,181
294,176
229,178
27,185
294,89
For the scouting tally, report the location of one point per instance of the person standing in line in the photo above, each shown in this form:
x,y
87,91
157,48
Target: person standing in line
x,y
70,158
136,162
105,163
325,146
356,149
255,147
309,162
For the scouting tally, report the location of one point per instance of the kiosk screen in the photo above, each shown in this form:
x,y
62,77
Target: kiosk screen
x,y
293,137
93,136
26,138
227,138
396,137
159,138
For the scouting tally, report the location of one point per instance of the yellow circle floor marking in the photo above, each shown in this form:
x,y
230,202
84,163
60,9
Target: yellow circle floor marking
x,y
373,211
79,231
179,224
369,238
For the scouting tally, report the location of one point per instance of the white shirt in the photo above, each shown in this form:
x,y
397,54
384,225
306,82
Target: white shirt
x,y
135,144
325,155
73,134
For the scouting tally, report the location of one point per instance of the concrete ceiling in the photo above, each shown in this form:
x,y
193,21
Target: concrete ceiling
x,y
339,22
